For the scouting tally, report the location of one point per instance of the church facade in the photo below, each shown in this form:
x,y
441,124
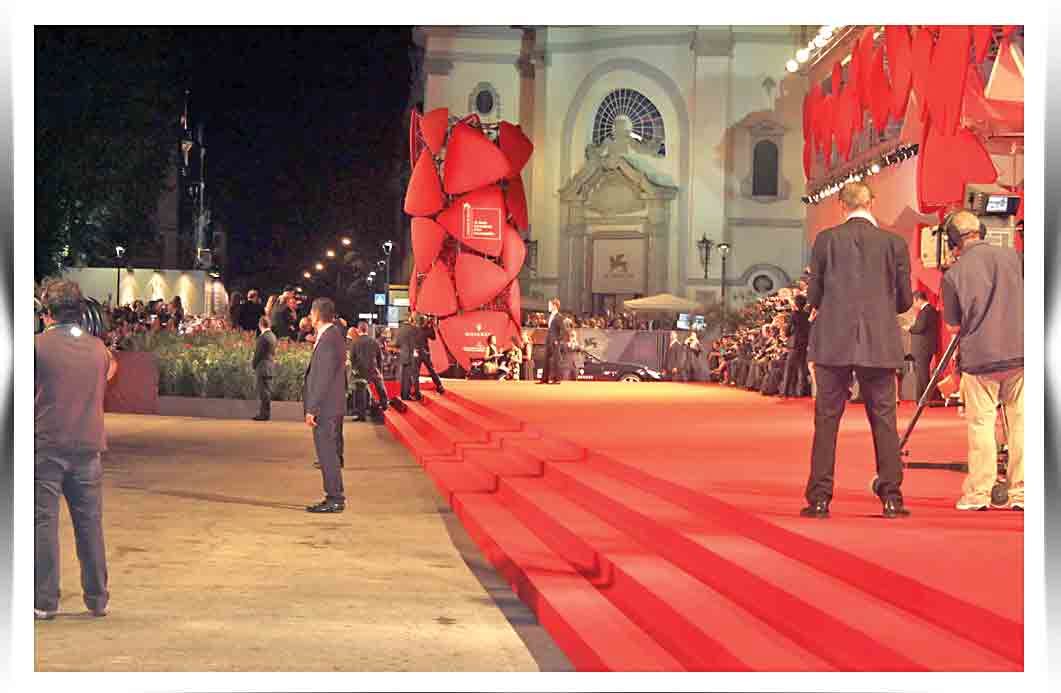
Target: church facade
x,y
648,140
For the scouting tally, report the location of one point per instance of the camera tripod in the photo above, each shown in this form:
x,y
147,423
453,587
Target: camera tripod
x,y
1000,491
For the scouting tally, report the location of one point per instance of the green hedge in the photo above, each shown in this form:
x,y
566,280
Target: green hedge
x,y
218,364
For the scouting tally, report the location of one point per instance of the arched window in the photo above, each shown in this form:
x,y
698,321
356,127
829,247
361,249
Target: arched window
x,y
646,123
764,169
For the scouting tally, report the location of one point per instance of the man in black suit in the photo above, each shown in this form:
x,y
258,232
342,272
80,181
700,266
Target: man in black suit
x,y
924,337
795,380
860,281
251,312
674,359
264,368
553,339
423,348
366,357
324,401
408,359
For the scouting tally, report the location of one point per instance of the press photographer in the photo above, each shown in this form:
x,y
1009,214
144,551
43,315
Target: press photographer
x,y
983,296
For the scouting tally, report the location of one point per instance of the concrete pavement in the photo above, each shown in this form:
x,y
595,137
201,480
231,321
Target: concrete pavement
x,y
215,566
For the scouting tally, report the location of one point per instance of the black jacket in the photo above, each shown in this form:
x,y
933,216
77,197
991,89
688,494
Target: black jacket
x,y
799,332
264,351
407,340
365,354
556,332
859,282
281,322
924,333
249,315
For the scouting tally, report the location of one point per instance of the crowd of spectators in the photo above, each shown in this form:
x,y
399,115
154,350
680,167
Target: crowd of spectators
x,y
612,320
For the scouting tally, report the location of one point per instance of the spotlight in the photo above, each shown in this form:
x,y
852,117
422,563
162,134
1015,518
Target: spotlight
x,y
826,32
791,66
388,246
820,41
802,55
381,264
804,199
874,169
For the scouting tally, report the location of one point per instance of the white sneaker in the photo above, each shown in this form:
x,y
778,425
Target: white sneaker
x,y
965,503
42,615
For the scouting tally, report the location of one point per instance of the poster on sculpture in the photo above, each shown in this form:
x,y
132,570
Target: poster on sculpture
x,y
619,266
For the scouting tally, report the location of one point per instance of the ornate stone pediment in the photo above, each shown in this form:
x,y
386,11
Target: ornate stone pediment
x,y
615,181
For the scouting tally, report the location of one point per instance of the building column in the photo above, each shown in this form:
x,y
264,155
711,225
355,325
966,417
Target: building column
x,y
713,50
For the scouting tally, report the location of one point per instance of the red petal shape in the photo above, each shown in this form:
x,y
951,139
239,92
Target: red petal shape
x,y
436,295
433,127
466,334
900,66
881,92
452,218
1009,29
1007,77
947,164
981,41
865,67
950,61
1005,116
808,158
414,135
424,196
472,161
514,253
836,78
921,56
826,121
847,110
479,281
516,147
414,285
516,202
515,300
427,242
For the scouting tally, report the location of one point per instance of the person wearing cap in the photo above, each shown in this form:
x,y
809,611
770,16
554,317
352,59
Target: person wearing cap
x,y
983,297
71,370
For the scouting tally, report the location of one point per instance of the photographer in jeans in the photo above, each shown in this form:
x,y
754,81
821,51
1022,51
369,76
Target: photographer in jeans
x,y
983,295
71,370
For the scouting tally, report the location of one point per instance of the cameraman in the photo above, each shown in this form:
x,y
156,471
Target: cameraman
x,y
983,295
71,370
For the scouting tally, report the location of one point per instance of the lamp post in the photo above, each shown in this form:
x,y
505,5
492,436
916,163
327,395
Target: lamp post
x,y
388,246
119,252
723,250
705,245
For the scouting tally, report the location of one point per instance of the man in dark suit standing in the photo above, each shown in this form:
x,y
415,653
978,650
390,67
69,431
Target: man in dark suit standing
x,y
324,401
674,359
553,339
924,337
264,368
408,359
366,357
423,348
795,378
860,281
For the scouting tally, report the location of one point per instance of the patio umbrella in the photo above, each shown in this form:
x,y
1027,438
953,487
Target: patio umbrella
x,y
663,303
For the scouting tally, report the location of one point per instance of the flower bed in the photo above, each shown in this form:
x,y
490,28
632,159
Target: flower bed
x,y
218,364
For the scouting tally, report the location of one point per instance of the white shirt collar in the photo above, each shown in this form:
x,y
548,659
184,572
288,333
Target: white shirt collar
x,y
863,214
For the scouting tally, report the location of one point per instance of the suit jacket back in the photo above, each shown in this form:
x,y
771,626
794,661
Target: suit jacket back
x,y
325,388
860,281
407,340
924,333
264,352
365,354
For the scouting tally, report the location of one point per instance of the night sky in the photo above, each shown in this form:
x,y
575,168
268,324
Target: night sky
x,y
305,134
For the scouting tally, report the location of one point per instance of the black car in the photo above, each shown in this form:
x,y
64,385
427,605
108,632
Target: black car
x,y
594,369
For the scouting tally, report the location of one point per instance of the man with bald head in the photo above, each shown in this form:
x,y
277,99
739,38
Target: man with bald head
x,y
859,281
983,296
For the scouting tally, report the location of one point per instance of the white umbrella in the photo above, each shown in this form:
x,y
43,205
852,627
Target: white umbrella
x,y
663,303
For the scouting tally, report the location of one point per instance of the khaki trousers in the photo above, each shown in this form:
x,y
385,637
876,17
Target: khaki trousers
x,y
981,395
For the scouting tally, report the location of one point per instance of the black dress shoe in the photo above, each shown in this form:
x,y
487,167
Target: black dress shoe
x,y
893,508
261,418
326,507
441,390
817,509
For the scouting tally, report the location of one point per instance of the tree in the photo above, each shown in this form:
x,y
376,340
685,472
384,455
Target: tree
x,y
106,110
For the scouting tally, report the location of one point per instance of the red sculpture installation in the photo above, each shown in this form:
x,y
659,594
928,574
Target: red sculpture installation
x,y
468,205
931,82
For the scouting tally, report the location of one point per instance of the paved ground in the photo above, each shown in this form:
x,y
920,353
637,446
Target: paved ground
x,y
215,566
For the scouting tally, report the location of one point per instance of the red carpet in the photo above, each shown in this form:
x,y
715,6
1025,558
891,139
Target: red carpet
x,y
655,527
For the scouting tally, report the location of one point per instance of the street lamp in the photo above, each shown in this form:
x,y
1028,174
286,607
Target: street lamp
x,y
388,246
119,252
330,253
705,245
307,275
723,250
319,266
346,241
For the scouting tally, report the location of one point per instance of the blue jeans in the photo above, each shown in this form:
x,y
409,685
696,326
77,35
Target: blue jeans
x,y
79,477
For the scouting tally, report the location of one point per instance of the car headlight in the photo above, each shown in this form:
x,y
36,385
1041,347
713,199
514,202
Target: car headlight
x,y
654,374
